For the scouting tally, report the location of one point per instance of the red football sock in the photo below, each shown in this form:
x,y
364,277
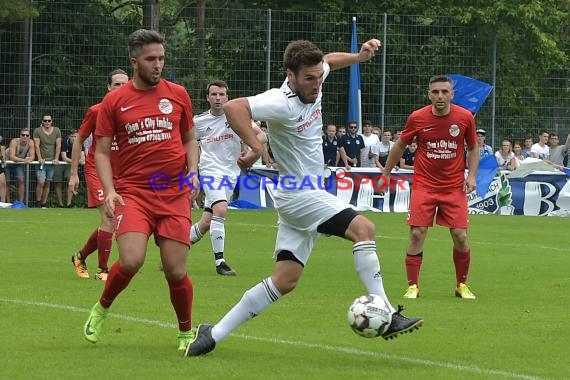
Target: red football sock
x,y
104,244
181,296
461,261
116,282
90,245
413,265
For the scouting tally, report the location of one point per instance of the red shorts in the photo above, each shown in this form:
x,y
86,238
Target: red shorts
x,y
449,209
95,193
166,213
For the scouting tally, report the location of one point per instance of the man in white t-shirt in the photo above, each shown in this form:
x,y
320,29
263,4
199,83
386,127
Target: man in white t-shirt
x,y
540,149
369,155
294,117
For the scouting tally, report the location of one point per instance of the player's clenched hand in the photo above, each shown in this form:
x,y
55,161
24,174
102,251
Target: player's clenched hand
x,y
470,184
369,49
195,188
384,184
74,183
110,202
247,159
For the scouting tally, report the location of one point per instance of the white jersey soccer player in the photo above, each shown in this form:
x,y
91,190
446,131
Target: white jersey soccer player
x,y
306,210
220,149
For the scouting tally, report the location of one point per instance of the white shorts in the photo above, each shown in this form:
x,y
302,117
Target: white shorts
x,y
217,188
300,213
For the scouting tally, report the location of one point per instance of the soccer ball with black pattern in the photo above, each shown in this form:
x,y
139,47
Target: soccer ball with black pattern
x,y
369,316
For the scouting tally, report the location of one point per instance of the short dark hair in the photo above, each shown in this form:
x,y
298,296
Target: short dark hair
x,y
301,53
217,83
113,73
142,37
440,78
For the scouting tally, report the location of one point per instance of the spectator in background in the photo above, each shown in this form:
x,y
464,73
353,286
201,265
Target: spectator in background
x,y
22,149
408,158
384,148
527,147
377,131
369,156
397,134
47,140
557,151
62,172
506,157
2,171
351,147
340,131
518,151
330,146
540,149
484,149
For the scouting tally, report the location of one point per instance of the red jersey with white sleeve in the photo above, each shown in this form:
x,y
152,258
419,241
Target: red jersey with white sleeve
x,y
85,130
147,125
440,158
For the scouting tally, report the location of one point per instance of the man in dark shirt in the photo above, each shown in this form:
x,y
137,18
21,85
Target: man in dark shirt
x,y
351,146
330,146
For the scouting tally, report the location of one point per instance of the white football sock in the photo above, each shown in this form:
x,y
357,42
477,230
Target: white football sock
x,y
253,302
218,234
368,268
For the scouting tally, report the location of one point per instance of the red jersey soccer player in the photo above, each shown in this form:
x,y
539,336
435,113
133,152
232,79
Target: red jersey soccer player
x,y
102,237
151,119
442,130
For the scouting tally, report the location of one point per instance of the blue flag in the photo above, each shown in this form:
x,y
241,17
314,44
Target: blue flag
x,y
469,93
354,99
487,169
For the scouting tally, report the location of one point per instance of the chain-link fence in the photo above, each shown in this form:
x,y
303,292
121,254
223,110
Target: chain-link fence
x,y
59,62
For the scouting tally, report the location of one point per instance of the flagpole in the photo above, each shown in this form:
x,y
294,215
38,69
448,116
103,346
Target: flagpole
x,y
354,92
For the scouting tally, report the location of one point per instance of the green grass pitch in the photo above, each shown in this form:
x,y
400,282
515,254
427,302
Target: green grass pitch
x,y
516,329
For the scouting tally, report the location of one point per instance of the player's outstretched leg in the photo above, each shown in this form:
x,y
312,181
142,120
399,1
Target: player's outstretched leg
x,y
203,343
401,324
94,325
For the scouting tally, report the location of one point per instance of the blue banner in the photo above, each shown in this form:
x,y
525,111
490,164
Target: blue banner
x,y
535,194
354,95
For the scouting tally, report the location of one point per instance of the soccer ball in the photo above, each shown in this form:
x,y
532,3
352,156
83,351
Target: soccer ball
x,y
369,316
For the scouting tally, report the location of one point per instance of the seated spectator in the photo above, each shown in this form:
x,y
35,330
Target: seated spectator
x,y
484,149
330,146
22,149
540,150
557,151
505,157
407,160
518,151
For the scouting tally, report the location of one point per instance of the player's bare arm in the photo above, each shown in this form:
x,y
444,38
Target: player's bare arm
x,y
55,160
340,60
75,158
105,173
192,156
238,115
472,165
